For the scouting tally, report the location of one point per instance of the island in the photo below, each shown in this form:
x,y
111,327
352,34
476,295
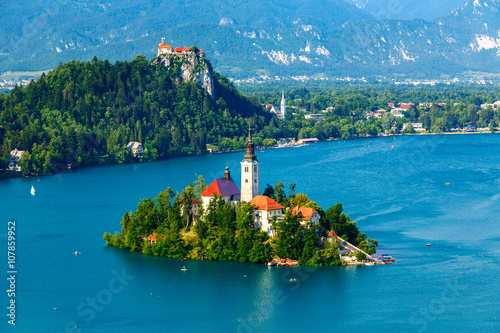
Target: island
x,y
222,222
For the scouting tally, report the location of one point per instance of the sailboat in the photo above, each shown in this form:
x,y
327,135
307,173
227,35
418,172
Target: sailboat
x,y
32,190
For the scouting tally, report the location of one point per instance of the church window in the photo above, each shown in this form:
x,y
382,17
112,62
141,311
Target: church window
x,y
254,169
255,180
246,180
246,169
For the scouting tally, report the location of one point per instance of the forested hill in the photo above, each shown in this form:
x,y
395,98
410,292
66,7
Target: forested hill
x,y
85,113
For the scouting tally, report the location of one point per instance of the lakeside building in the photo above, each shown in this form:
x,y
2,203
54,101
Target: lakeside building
x,y
136,148
418,127
15,156
309,140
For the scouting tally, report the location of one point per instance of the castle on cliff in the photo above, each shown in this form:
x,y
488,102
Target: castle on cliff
x,y
167,49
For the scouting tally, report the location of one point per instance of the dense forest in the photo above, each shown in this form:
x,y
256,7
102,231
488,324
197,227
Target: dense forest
x,y
85,113
226,231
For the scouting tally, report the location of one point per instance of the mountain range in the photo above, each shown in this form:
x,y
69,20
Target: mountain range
x,y
332,38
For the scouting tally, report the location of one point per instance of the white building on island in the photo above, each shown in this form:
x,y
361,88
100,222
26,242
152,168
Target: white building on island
x,y
265,209
250,182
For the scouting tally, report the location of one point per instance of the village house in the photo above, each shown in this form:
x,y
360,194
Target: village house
x,y
15,156
265,209
418,127
135,148
494,106
397,113
314,116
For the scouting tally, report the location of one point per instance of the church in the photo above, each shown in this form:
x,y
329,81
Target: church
x,y
226,188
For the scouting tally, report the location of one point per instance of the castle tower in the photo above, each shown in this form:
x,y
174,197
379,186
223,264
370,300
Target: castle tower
x,y
283,104
250,180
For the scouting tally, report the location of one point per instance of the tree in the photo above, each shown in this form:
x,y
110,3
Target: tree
x,y
360,256
279,193
300,200
188,196
409,128
269,192
200,186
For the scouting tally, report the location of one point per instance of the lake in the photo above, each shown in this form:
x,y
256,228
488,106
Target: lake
x,y
393,187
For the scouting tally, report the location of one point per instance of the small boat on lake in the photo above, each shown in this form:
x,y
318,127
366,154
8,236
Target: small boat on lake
x,y
447,183
183,268
384,258
428,244
32,190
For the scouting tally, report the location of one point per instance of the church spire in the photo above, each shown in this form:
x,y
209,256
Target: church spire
x,y
250,152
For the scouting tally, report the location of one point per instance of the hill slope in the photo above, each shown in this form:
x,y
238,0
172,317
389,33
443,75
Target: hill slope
x,y
86,112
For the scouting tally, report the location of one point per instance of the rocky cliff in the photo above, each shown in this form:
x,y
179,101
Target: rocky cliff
x,y
191,66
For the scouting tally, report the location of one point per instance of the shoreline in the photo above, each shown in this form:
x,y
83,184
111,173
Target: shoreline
x,y
8,174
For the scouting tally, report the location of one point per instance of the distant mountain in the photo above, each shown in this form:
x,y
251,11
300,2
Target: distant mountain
x,y
429,10
273,38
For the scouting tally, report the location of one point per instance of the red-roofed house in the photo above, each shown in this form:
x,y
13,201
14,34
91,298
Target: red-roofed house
x,y
405,106
308,214
224,187
152,238
266,208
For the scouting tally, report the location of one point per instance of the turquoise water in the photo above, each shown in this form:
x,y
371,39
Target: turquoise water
x,y
397,195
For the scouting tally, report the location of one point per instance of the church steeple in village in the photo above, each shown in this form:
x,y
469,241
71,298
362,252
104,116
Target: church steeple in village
x,y
250,180
283,104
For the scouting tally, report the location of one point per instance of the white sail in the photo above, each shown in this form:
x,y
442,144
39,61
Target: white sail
x,y
32,190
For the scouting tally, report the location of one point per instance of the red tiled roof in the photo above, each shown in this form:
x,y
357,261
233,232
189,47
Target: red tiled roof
x,y
180,49
222,187
307,212
193,203
165,46
263,202
153,237
332,234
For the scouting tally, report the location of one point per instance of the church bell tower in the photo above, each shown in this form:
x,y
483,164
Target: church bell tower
x,y
250,181
283,104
